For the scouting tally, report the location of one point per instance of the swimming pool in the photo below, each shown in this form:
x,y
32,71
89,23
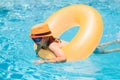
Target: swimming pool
x,y
16,48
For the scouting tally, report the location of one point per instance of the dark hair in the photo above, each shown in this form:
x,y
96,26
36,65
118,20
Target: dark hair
x,y
52,39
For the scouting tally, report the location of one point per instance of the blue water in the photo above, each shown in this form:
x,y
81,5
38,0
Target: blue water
x,y
16,48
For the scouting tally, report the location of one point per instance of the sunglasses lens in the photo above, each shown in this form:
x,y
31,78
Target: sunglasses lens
x,y
37,39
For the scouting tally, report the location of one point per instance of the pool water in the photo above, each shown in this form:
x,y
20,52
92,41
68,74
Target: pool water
x,y
16,48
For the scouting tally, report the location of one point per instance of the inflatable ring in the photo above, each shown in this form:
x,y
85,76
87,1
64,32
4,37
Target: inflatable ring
x,y
87,37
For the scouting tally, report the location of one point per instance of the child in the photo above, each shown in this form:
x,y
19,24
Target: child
x,y
43,38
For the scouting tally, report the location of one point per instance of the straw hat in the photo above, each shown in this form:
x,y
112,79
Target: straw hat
x,y
40,30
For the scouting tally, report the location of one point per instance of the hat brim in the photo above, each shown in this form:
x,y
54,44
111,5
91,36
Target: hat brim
x,y
40,36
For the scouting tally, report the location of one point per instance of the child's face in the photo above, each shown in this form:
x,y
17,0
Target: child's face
x,y
36,39
43,41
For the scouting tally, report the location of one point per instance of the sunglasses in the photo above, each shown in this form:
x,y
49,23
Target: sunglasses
x,y
36,39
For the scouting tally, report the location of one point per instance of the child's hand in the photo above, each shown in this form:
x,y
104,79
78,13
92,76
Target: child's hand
x,y
39,61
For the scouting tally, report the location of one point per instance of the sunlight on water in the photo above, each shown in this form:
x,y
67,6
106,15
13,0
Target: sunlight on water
x,y
16,48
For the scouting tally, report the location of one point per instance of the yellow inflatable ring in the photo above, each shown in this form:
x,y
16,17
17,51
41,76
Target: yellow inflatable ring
x,y
88,36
